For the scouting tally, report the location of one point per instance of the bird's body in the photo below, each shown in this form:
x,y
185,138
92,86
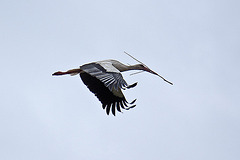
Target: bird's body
x,y
105,80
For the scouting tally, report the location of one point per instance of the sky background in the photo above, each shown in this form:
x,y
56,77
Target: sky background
x,y
194,44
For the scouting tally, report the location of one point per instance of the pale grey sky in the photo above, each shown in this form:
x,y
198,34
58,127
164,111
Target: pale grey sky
x,y
194,44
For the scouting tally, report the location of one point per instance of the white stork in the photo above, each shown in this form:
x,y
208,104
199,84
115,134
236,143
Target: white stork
x,y
104,79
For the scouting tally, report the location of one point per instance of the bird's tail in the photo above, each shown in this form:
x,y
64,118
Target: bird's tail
x,y
72,72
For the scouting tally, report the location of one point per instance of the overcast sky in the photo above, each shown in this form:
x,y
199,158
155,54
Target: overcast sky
x,y
194,44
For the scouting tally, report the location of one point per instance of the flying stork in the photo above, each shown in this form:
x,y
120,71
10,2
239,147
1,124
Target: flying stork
x,y
104,79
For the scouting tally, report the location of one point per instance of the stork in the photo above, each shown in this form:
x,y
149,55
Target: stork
x,y
104,79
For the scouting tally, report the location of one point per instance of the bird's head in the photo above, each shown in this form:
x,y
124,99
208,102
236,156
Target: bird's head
x,y
143,67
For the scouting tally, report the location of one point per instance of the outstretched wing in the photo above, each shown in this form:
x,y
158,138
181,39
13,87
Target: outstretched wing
x,y
106,83
109,75
110,100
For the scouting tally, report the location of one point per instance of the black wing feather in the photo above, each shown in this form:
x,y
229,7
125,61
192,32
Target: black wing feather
x,y
107,98
109,79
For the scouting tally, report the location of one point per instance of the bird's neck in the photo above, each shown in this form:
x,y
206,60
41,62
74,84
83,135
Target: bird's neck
x,y
130,67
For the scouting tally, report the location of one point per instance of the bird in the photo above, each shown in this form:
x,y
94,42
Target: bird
x,y
104,79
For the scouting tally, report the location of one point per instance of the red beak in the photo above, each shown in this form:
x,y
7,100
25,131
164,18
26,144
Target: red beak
x,y
151,71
